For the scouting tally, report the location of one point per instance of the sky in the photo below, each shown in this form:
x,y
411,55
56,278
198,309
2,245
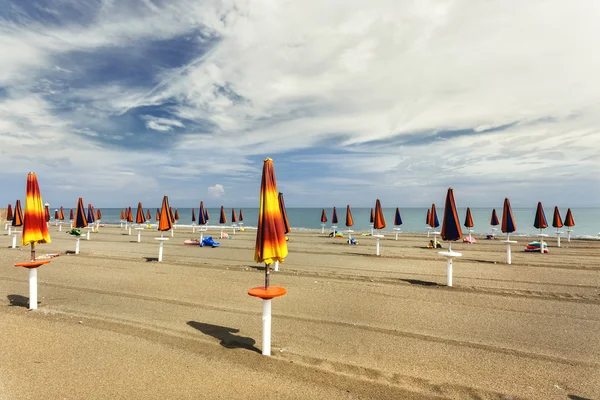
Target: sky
x,y
123,101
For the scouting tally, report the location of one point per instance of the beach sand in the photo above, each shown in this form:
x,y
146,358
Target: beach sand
x,y
114,323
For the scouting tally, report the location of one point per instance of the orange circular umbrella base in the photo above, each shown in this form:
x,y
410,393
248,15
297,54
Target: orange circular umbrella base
x,y
267,294
32,264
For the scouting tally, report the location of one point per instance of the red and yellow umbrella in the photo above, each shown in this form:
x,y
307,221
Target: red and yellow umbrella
x,y
140,218
323,216
18,215
165,222
379,220
222,218
35,229
286,223
80,219
270,236
349,220
47,213
469,219
450,224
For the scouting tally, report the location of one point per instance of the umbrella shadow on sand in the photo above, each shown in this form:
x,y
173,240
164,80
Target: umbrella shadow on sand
x,y
420,282
225,335
16,300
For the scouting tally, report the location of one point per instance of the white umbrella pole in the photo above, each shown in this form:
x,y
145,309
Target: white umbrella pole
x,y
450,271
60,227
377,247
541,242
172,232
9,228
129,230
276,266
557,238
139,236
266,328
396,235
568,235
14,241
88,235
160,248
322,228
33,292
193,228
77,245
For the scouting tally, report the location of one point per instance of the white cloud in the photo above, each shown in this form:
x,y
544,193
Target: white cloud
x,y
162,124
216,191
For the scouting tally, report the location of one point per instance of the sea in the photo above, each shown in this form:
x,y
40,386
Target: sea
x,y
587,220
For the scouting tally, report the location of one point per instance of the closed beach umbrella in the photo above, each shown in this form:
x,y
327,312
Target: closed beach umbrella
x,y
157,217
148,215
140,218
56,214
47,213
508,227
18,215
202,215
450,224
193,214
98,214
206,216
372,218
323,216
334,218
241,216
397,217
71,215
270,248
35,231
176,214
165,222
270,236
569,223
9,213
80,219
222,217
450,230
468,219
122,214
540,217
286,223
349,220
433,218
171,215
233,216
61,214
90,214
556,219
129,215
494,220
428,217
379,220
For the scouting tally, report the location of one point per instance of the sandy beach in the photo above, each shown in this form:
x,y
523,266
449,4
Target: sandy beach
x,y
114,323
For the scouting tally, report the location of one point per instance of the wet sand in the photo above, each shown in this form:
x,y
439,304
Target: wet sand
x,y
113,322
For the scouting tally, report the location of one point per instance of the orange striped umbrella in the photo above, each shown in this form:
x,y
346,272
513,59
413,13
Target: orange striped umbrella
x,y
508,221
372,219
222,218
540,217
206,216
241,218
18,215
494,220
90,214
557,220
122,214
201,214
428,217
157,218
140,218
80,219
71,216
129,215
176,216
9,213
61,214
148,215
349,220
450,224
433,218
171,215
165,223
379,220
270,236
286,223
35,229
323,216
469,219
47,213
98,214
193,214
569,221
233,216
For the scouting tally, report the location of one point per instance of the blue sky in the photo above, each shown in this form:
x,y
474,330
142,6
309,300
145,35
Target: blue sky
x,y
125,101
